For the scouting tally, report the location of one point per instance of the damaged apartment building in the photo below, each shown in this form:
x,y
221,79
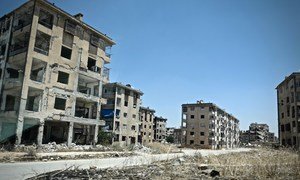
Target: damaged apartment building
x,y
53,66
205,125
121,112
146,134
288,105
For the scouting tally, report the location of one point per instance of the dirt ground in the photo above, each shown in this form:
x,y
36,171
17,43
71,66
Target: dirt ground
x,y
257,164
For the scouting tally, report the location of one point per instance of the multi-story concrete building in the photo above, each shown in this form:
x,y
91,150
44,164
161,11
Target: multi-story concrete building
x,y
121,112
146,128
288,105
170,131
177,136
160,130
52,70
205,125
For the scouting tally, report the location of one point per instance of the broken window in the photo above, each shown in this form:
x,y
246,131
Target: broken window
x,y
202,116
34,99
22,19
192,133
38,69
60,103
133,128
201,142
92,66
191,141
125,115
192,116
19,44
63,77
66,52
94,43
42,43
13,73
30,131
46,19
201,133
10,103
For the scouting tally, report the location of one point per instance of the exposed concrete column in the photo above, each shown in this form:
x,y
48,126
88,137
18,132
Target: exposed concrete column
x,y
88,131
0,129
40,132
70,133
19,129
96,134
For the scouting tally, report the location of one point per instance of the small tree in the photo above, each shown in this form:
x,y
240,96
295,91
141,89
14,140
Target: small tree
x,y
170,139
105,138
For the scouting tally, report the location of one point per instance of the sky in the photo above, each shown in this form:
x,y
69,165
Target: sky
x,y
232,53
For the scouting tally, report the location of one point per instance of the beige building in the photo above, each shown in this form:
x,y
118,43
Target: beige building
x,y
121,112
160,129
288,105
147,122
205,125
52,71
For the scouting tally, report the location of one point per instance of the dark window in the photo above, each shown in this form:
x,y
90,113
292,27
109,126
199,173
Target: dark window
x,y
63,77
60,103
283,142
13,73
92,65
192,133
66,52
192,116
282,115
294,140
294,124
201,133
293,112
201,142
125,103
288,127
287,99
289,142
46,19
133,128
191,142
184,109
202,116
10,103
123,138
282,128
288,111
2,50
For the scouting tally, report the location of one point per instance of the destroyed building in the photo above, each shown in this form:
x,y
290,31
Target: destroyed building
x,y
257,133
288,106
160,129
53,66
205,125
147,125
121,112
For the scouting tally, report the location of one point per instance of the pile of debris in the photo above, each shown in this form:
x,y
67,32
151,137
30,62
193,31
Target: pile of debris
x,y
141,149
181,168
53,147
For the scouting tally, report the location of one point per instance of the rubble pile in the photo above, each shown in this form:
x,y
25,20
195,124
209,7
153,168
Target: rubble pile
x,y
142,149
53,147
181,168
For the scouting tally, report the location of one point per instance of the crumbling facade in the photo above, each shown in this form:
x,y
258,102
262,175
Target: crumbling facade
x,y
146,134
205,125
121,112
52,71
257,133
160,129
288,105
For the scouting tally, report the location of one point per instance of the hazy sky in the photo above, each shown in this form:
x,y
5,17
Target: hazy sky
x,y
232,53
